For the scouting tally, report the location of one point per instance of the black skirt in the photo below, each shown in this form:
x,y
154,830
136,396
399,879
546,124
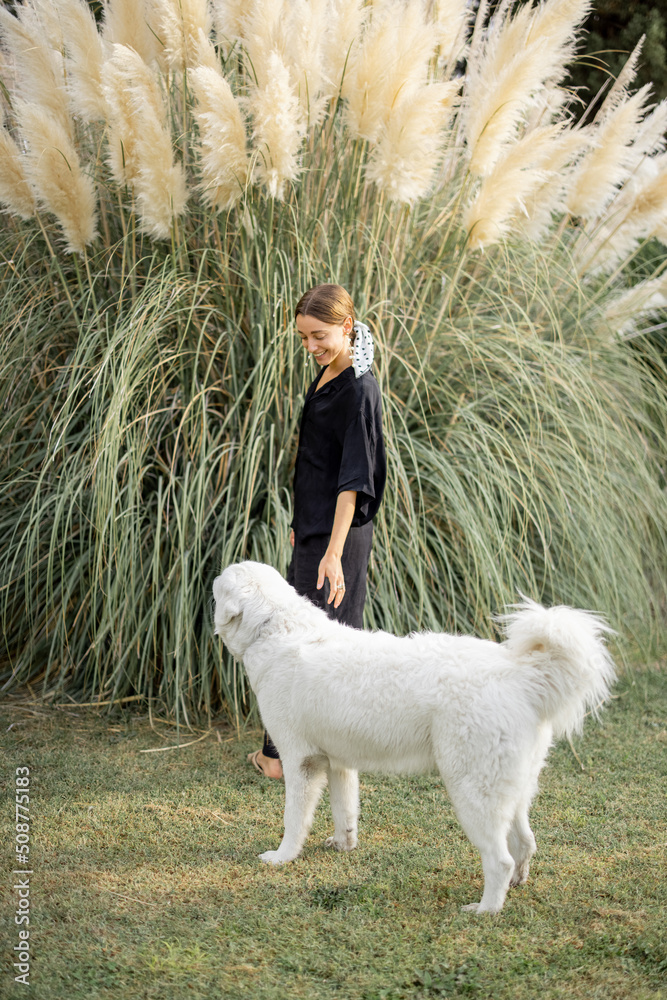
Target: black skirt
x,y
302,575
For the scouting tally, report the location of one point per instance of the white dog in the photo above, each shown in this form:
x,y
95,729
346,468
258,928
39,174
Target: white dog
x,y
337,700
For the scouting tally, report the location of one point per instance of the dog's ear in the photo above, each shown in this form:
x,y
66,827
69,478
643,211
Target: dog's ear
x,y
228,605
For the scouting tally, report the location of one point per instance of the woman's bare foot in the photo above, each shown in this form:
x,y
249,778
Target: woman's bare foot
x,y
270,767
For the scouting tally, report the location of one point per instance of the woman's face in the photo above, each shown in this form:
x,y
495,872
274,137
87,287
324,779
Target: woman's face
x,y
328,343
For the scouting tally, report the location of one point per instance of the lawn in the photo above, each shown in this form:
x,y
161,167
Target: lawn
x,y
146,884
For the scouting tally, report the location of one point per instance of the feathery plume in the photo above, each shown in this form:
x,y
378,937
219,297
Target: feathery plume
x,y
15,190
637,213
181,25
619,90
346,20
642,301
304,38
610,162
43,18
265,30
516,60
502,195
160,187
451,19
141,152
650,136
53,169
131,92
390,61
548,199
224,160
128,22
404,161
86,56
561,21
295,30
38,69
229,20
204,53
278,128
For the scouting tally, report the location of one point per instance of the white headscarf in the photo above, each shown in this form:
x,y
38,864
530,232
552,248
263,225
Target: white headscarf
x,y
364,349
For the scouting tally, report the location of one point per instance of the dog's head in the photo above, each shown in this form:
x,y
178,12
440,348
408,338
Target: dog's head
x,y
247,596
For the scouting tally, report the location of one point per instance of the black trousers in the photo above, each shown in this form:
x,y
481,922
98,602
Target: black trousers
x,y
302,574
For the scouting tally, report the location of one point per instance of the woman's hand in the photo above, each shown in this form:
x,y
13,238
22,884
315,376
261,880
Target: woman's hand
x,y
331,569
291,537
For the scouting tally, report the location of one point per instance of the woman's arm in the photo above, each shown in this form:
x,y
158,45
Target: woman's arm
x,y
330,567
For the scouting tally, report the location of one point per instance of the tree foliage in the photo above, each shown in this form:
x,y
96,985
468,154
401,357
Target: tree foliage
x,y
611,32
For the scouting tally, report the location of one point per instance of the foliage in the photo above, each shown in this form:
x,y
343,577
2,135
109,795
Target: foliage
x,y
151,379
613,29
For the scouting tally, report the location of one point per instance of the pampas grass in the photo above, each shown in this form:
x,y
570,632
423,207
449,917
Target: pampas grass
x,y
141,152
390,62
626,312
609,162
278,128
346,19
406,156
36,68
518,58
547,201
183,26
264,31
132,95
87,53
638,213
15,190
502,196
305,36
382,73
224,161
131,23
152,381
450,19
55,174
229,18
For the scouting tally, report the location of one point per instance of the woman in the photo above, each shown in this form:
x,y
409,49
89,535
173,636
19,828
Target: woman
x,y
340,468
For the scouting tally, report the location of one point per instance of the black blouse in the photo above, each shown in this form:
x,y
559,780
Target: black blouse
x,y
340,448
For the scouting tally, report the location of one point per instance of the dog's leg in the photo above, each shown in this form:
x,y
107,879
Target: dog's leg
x,y
344,794
521,843
498,865
486,828
304,780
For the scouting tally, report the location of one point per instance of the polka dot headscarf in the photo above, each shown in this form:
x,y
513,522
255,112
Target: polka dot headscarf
x,y
364,349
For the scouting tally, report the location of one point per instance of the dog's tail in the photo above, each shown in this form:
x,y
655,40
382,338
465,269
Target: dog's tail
x,y
565,647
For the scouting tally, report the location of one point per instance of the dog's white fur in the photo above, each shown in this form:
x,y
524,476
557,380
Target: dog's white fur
x,y
337,700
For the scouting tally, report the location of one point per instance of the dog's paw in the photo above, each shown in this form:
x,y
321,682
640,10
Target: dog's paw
x,y
273,858
348,844
520,876
470,908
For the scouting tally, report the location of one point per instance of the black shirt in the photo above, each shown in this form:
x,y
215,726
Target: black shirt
x,y
340,448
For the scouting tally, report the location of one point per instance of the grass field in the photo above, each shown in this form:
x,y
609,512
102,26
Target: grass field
x,y
146,882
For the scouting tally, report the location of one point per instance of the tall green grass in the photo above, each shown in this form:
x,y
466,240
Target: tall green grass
x,y
151,397
149,441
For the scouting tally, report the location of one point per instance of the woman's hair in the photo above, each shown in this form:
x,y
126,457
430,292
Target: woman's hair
x,y
330,303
